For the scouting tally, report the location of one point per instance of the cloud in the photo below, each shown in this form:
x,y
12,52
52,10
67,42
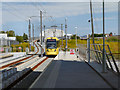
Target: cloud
x,y
20,11
0,16
58,0
106,18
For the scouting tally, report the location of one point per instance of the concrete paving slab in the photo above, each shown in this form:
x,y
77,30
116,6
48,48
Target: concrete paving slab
x,y
5,56
43,65
15,55
66,56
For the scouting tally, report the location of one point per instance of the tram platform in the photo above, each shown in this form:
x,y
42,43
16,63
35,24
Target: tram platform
x,y
68,71
5,55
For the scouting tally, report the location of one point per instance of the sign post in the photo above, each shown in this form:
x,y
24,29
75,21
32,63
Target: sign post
x,y
72,51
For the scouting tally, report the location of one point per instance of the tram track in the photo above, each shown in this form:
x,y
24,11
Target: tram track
x,y
13,59
41,46
24,67
18,61
25,74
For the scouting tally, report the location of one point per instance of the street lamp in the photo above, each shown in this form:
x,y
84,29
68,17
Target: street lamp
x,y
76,36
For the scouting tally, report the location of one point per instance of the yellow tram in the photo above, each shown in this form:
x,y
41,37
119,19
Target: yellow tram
x,y
52,46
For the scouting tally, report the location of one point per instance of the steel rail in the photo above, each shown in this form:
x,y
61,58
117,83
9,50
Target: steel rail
x,y
25,74
41,46
21,59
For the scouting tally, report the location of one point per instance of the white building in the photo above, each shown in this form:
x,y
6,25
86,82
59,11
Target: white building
x,y
69,36
53,33
4,40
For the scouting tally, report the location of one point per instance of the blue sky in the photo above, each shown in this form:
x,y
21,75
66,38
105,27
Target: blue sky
x,y
15,16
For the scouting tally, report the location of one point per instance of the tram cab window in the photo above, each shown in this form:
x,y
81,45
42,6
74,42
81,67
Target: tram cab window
x,y
51,45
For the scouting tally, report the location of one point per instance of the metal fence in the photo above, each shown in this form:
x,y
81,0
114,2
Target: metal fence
x,y
12,49
82,50
96,54
111,62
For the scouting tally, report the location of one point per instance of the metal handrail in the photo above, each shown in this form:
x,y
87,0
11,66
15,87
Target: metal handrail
x,y
107,57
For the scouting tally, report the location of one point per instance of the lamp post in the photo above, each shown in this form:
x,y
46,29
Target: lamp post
x,y
76,36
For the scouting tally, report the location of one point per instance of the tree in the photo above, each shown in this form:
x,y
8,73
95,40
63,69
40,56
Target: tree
x,y
74,37
110,32
2,31
25,37
97,35
10,33
19,39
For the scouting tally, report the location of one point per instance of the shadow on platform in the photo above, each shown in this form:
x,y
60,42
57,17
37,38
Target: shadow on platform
x,y
69,74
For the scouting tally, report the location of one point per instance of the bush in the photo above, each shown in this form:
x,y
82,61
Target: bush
x,y
24,45
19,39
112,39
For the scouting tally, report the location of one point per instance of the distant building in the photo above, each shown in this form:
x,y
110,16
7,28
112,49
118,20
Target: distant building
x,y
4,40
53,33
69,36
83,37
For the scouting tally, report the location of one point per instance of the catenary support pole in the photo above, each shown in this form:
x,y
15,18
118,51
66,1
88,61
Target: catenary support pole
x,y
33,33
41,31
44,33
104,53
76,36
92,21
29,36
66,33
88,48
62,33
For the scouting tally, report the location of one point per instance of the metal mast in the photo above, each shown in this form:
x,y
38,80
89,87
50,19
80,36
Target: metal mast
x,y
44,33
29,35
41,30
62,33
92,21
66,32
104,58
33,33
